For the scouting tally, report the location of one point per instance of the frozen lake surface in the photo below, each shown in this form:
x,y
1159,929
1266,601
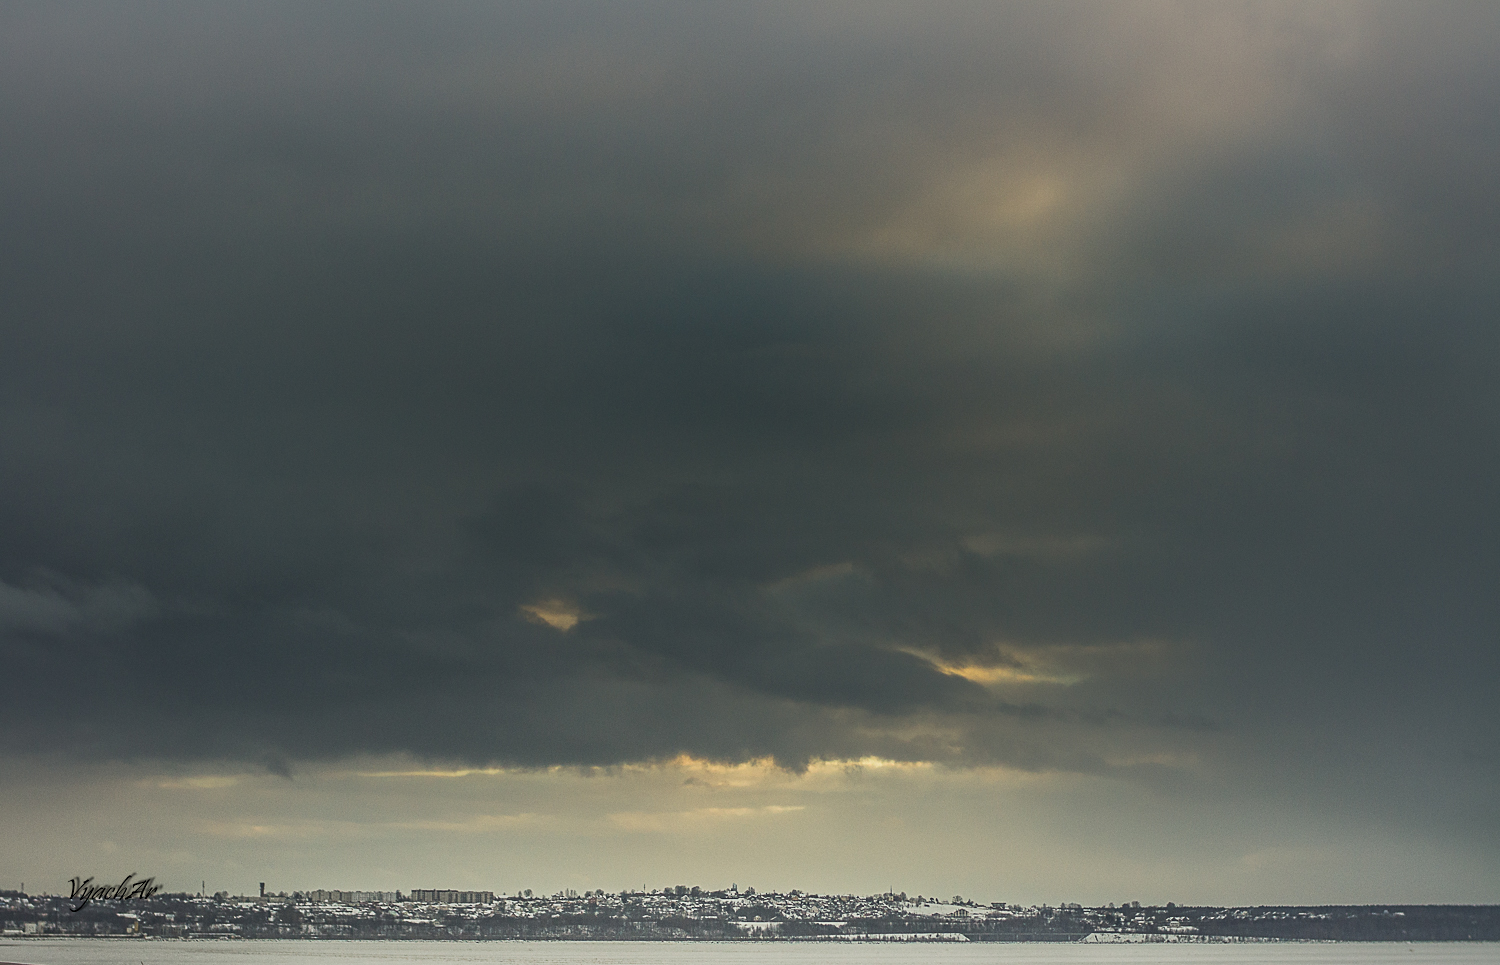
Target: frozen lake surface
x,y
85,951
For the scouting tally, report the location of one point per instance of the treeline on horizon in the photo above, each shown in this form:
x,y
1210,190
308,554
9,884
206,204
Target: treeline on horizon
x,y
1379,923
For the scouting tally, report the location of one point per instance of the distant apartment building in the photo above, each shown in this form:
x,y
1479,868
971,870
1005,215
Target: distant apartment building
x,y
446,897
351,897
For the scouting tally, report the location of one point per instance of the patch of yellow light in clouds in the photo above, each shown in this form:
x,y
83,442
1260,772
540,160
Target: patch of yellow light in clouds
x,y
555,613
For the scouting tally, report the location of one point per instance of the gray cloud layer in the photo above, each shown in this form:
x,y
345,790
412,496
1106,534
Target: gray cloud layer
x,y
1139,362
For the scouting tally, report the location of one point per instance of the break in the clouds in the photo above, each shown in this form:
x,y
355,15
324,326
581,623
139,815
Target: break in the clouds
x,y
1092,389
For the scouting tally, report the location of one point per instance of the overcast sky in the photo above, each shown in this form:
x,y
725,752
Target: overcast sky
x,y
1043,452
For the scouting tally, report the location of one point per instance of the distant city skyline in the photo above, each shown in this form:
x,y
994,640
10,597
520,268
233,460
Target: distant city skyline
x,y
676,914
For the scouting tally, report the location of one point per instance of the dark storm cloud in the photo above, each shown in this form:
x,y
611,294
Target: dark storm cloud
x,y
807,360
